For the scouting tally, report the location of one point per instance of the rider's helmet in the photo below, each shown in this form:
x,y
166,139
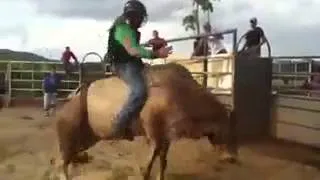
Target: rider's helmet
x,y
135,9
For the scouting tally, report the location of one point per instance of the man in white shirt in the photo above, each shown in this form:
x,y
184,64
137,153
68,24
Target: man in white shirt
x,y
217,46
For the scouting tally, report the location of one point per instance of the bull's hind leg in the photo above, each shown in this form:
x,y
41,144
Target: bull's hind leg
x,y
211,140
160,149
163,159
221,148
155,152
61,162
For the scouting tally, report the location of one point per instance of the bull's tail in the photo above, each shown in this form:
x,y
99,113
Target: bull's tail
x,y
83,90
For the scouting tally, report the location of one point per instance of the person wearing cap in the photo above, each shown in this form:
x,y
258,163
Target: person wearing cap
x,y
255,38
125,56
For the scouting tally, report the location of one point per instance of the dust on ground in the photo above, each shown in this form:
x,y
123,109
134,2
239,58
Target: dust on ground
x,y
27,140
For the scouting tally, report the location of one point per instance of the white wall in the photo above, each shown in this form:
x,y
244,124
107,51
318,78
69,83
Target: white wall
x,y
296,119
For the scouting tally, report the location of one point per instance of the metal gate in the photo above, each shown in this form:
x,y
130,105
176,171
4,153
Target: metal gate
x,y
252,95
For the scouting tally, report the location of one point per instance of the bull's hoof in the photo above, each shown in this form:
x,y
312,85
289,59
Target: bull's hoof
x,y
227,158
81,158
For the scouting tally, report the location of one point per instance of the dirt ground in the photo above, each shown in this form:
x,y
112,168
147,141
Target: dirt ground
x,y
27,140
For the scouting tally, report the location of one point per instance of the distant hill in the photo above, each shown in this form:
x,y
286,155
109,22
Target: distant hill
x,y
7,54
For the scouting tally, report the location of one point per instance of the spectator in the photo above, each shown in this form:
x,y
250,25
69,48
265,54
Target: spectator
x,y
66,56
200,47
215,41
50,87
156,42
255,38
2,83
315,82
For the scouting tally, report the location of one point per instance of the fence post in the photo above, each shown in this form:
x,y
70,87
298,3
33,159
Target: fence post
x,y
8,99
205,69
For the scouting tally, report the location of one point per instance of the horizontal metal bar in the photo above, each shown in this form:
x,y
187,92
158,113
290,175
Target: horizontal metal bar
x,y
29,89
41,71
284,86
299,125
198,36
308,98
299,108
212,73
221,89
42,62
289,75
39,98
30,62
295,74
295,57
36,80
299,90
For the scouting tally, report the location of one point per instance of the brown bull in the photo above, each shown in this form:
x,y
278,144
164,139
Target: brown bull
x,y
177,107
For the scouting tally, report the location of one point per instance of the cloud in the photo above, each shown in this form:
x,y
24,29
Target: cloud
x,y
292,28
106,9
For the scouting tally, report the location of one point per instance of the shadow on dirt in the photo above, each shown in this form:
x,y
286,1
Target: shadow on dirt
x,y
189,177
286,151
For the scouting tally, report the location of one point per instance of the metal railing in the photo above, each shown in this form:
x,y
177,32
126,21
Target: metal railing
x,y
290,79
24,78
206,73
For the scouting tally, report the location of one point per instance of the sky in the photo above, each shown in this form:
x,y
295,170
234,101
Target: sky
x,y
47,26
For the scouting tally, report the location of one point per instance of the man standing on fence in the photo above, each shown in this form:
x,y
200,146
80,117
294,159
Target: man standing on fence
x,y
255,38
217,46
50,87
156,42
66,56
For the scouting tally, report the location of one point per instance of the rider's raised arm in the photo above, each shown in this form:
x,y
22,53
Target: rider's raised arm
x,y
127,37
74,57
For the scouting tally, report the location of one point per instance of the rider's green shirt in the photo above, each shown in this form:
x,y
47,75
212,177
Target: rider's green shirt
x,y
124,30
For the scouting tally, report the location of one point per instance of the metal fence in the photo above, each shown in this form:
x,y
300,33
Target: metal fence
x,y
291,75
23,79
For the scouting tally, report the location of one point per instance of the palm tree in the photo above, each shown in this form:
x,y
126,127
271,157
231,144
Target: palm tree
x,y
192,21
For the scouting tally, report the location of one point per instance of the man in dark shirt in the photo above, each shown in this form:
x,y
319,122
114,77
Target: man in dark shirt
x,y
156,42
50,87
255,38
66,56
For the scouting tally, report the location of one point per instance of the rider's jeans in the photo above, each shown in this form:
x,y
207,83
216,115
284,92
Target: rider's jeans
x,y
132,73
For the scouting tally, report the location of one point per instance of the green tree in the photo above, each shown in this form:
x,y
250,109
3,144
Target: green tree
x,y
192,21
